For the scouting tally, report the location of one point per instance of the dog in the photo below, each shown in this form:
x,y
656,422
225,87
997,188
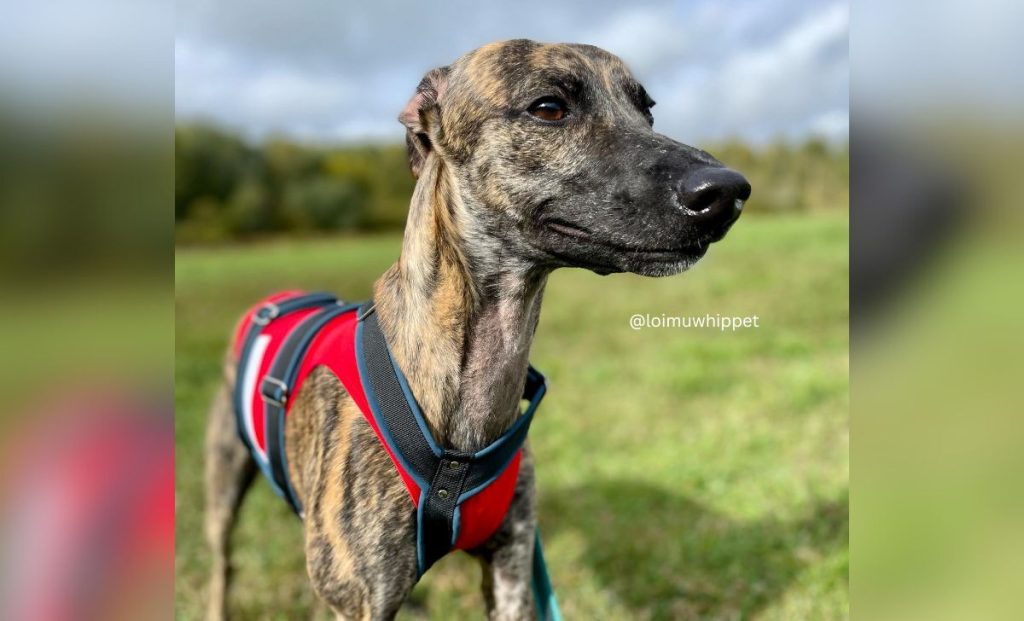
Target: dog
x,y
528,157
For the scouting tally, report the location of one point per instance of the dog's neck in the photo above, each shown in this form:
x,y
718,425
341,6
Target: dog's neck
x,y
458,315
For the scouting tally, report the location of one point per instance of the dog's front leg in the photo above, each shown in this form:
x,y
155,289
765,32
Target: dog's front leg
x,y
507,560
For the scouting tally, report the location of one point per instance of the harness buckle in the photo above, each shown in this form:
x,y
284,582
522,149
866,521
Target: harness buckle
x,y
276,394
267,313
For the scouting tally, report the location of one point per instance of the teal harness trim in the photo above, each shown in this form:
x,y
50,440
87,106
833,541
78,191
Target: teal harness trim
x,y
543,592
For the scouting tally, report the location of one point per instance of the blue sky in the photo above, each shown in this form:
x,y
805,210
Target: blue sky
x,y
326,70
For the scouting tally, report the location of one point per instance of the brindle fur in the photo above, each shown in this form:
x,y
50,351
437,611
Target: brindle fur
x,y
460,306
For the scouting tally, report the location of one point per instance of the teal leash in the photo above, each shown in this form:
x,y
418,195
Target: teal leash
x,y
543,593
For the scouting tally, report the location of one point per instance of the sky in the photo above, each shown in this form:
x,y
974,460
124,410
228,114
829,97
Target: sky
x,y
335,71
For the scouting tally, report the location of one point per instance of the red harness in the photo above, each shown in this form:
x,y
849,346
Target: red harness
x,y
258,342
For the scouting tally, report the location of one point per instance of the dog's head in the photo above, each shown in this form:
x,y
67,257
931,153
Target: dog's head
x,y
553,148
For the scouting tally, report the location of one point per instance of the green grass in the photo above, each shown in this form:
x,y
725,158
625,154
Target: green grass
x,y
683,473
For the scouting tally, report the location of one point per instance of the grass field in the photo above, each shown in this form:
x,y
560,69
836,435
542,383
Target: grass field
x,y
683,473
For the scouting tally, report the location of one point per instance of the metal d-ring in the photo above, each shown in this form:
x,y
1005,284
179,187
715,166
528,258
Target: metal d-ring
x,y
262,319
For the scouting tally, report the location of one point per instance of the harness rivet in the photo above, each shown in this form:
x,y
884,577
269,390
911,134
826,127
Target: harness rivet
x,y
443,493
453,464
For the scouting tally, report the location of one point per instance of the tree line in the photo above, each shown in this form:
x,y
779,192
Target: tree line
x,y
228,189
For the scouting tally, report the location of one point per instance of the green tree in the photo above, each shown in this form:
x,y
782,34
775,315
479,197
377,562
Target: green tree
x,y
323,203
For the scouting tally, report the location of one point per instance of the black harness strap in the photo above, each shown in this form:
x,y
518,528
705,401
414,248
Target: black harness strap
x,y
266,314
396,412
446,477
279,384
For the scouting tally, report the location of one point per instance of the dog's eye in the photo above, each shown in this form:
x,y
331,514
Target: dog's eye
x,y
548,109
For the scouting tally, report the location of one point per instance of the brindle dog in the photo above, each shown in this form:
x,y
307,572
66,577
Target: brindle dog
x,y
528,157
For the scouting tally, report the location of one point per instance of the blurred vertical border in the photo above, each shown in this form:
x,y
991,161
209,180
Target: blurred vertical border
x,y
86,310
936,296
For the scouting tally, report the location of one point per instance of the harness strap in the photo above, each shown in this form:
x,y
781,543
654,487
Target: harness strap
x,y
266,314
277,386
397,412
446,477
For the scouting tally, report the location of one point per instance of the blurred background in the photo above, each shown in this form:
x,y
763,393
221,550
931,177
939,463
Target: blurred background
x,y
721,491
936,294
86,310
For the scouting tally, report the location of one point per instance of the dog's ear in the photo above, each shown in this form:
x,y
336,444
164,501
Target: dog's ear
x,y
420,117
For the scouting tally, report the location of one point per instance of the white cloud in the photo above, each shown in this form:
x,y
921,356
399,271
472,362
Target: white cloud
x,y
752,68
833,125
258,99
642,36
772,89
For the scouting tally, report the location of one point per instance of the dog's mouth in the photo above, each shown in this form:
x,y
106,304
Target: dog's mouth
x,y
655,254
567,228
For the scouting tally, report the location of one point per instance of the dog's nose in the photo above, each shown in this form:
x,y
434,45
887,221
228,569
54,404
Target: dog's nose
x,y
714,195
